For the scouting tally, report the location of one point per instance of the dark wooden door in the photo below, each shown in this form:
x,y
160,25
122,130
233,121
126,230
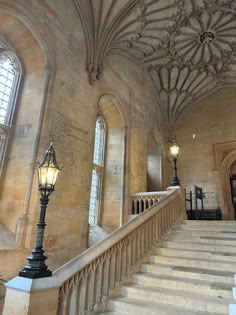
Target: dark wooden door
x,y
233,191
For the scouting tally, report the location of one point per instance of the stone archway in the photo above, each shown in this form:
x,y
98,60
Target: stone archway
x,y
112,210
35,52
225,157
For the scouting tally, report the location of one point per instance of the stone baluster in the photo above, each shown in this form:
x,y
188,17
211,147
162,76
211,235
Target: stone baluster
x,y
98,288
119,264
138,244
134,248
63,304
74,301
106,267
112,269
82,296
91,288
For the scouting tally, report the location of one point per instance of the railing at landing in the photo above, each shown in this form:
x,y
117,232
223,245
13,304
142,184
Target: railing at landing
x,y
88,279
141,201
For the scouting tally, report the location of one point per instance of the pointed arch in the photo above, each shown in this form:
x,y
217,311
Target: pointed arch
x,y
225,157
37,77
113,191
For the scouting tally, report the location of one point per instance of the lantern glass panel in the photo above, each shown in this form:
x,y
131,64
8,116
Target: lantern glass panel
x,y
174,149
48,176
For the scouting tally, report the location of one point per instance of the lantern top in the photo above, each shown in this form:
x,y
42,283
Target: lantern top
x,y
50,157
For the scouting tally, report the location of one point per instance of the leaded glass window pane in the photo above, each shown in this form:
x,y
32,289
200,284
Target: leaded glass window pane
x,y
99,142
7,77
94,198
10,71
98,158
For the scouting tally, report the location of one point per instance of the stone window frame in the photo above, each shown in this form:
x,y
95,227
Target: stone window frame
x,y
6,128
98,171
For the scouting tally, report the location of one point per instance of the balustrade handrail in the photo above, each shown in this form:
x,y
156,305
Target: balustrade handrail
x,y
112,258
151,193
100,247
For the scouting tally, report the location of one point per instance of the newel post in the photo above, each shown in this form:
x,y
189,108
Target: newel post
x,y
183,204
27,296
182,201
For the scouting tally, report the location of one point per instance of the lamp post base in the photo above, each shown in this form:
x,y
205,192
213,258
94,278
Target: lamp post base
x,y
175,182
35,274
36,268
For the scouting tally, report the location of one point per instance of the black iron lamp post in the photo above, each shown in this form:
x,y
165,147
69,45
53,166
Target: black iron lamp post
x,y
174,151
48,171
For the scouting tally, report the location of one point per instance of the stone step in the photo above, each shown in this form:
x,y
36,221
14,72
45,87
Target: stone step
x,y
178,283
199,246
204,239
189,272
177,252
181,298
197,232
209,223
187,227
191,262
128,306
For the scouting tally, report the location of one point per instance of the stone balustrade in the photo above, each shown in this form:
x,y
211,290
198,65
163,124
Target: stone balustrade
x,y
88,279
144,200
84,284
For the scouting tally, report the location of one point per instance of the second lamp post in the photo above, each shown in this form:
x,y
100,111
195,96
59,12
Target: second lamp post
x,y
174,151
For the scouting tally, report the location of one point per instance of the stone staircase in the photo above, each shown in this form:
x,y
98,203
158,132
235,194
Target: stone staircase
x,y
190,273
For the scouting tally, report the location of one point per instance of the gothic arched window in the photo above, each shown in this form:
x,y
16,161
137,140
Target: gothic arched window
x,y
9,82
97,174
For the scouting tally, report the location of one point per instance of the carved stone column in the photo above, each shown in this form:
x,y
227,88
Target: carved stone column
x,y
123,181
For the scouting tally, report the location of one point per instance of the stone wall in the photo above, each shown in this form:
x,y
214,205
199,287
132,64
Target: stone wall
x,y
54,55
210,122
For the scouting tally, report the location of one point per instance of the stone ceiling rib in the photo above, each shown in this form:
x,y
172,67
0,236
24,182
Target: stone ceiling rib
x,y
186,47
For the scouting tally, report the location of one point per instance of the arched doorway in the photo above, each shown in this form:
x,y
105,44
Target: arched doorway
x,y
233,185
225,164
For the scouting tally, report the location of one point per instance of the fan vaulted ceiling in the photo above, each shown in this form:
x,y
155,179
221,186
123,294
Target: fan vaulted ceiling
x,y
186,47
